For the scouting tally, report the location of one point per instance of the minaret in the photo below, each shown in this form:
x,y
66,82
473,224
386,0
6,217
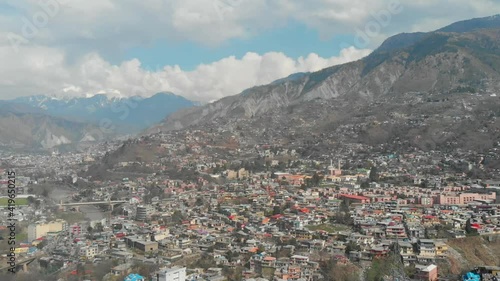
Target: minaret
x,y
331,168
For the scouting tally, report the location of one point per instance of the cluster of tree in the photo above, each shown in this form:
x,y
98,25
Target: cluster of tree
x,y
352,246
374,174
379,269
32,201
314,181
152,192
471,231
177,217
343,215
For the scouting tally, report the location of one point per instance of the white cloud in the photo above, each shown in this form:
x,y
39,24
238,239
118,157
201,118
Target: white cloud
x,y
45,71
70,52
93,24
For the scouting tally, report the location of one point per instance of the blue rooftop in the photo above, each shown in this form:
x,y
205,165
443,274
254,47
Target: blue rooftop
x,y
134,277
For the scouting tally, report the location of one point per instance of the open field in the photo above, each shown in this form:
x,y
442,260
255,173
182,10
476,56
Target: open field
x,y
19,201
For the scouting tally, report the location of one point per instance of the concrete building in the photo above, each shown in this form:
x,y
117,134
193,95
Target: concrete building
x,y
464,198
143,212
38,230
140,244
172,274
428,273
89,252
354,198
75,229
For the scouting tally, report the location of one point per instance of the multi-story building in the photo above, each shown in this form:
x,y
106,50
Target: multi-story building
x,y
426,201
89,251
395,231
140,244
428,273
464,198
75,229
171,274
427,248
298,259
143,212
441,248
39,230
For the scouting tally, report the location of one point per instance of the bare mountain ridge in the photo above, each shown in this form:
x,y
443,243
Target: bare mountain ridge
x,y
441,92
433,63
24,127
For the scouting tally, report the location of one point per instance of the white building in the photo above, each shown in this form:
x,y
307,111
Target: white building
x,y
89,251
172,274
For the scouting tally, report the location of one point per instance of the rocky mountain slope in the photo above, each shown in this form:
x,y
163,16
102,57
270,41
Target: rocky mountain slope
x,y
24,127
424,89
470,252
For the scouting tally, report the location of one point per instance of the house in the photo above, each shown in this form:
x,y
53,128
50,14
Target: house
x,y
427,248
134,277
171,274
145,246
121,269
297,259
427,273
354,198
441,248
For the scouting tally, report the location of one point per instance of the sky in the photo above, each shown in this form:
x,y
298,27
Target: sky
x,y
200,49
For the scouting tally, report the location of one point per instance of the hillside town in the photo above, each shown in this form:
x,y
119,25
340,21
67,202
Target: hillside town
x,y
208,206
238,140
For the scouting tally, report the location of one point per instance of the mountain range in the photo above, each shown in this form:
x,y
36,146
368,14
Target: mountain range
x,y
129,114
24,127
44,122
433,89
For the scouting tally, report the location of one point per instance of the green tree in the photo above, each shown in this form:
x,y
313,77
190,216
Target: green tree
x,y
199,201
374,174
343,214
351,246
99,227
31,200
378,269
469,229
316,179
177,217
277,210
260,249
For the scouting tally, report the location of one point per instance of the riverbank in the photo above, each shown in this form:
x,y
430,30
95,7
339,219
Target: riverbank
x,y
65,193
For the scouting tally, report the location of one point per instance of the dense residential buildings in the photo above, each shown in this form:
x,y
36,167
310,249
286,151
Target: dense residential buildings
x,y
272,218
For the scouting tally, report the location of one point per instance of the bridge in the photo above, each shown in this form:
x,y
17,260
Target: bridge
x,y
78,204
23,264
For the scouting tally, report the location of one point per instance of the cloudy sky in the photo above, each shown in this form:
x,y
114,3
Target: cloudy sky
x,y
200,49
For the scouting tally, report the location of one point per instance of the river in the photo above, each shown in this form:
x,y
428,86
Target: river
x,y
64,193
